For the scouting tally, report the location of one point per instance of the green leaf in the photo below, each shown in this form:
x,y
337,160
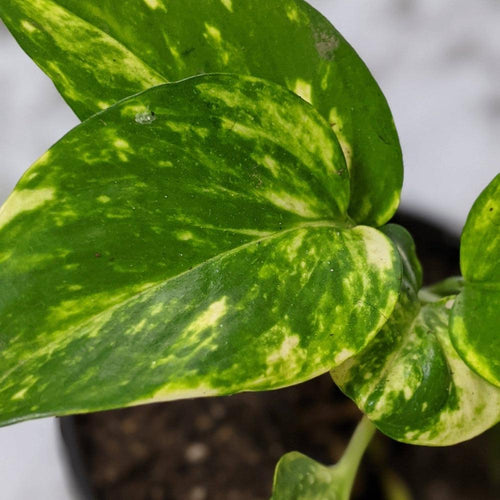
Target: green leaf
x,y
410,381
100,51
475,323
191,240
300,477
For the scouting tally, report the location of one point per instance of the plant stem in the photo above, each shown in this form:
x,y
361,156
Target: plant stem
x,y
449,286
354,452
426,296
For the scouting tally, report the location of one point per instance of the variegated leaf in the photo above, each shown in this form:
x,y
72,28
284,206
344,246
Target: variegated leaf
x,y
475,323
191,240
100,51
410,381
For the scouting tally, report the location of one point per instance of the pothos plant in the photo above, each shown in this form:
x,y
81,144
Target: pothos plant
x,y
218,224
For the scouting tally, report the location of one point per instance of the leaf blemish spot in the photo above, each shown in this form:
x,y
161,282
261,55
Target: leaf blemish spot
x,y
326,44
145,117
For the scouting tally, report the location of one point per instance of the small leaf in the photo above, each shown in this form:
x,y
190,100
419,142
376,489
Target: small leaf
x,y
205,250
411,382
475,323
302,478
100,51
299,477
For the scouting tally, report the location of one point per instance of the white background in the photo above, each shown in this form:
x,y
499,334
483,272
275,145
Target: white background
x,y
438,63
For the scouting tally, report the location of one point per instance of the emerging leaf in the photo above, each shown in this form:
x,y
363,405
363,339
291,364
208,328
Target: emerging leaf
x,y
191,240
100,51
299,477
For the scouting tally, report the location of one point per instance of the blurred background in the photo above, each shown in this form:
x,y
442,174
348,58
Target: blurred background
x,y
438,63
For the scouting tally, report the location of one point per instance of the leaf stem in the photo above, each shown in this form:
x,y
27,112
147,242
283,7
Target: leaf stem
x,y
354,452
449,286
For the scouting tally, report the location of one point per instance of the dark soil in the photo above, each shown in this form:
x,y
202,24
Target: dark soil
x,y
226,448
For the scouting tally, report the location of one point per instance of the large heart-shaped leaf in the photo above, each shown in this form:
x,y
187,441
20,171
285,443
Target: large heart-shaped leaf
x,y
410,381
190,240
100,51
475,324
